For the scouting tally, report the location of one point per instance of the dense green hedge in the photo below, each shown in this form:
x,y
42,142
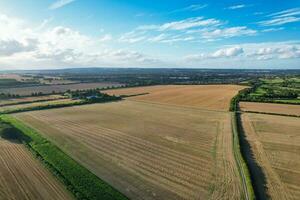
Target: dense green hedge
x,y
80,181
268,113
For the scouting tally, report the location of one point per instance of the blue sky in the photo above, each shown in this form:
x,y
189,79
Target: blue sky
x,y
46,34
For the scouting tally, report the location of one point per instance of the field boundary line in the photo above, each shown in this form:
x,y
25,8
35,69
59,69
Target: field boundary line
x,y
241,164
267,113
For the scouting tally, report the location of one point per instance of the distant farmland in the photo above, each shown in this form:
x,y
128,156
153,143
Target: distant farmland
x,y
271,108
214,97
148,151
30,105
47,89
7,102
275,142
23,177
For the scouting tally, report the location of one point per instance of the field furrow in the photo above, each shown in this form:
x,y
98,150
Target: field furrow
x,y
22,177
277,155
147,151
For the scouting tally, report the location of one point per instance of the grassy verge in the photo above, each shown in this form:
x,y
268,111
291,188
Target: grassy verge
x,y
80,181
242,166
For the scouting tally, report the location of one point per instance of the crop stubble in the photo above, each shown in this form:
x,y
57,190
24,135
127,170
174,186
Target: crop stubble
x,y
275,142
212,97
147,151
271,108
23,177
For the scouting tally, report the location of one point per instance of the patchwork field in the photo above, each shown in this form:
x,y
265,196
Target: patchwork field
x,y
30,105
271,108
275,142
23,177
213,97
48,89
147,151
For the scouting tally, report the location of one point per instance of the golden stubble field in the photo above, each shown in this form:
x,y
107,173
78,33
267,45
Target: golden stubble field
x,y
271,108
213,97
275,142
23,177
146,150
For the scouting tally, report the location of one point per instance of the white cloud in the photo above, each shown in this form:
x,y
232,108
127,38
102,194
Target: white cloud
x,y
228,52
251,52
189,23
11,47
193,7
237,7
132,37
221,53
60,3
279,21
227,32
272,29
280,52
185,24
286,13
282,17
194,29
24,45
105,38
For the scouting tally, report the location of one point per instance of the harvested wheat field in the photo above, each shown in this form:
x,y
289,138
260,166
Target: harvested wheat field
x,y
147,151
48,89
271,108
23,177
213,97
22,100
275,141
10,108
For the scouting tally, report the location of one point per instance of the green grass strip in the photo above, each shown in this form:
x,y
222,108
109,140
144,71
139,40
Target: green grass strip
x,y
242,166
80,181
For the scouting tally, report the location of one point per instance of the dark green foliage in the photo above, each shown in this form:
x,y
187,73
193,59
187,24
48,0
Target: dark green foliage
x,y
8,132
81,182
91,95
273,91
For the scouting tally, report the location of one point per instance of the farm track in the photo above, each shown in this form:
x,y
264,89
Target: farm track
x,y
22,177
178,172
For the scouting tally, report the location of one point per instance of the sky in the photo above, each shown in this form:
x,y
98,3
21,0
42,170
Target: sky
x,y
52,34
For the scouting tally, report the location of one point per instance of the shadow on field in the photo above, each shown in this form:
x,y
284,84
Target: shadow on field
x,y
258,177
12,134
